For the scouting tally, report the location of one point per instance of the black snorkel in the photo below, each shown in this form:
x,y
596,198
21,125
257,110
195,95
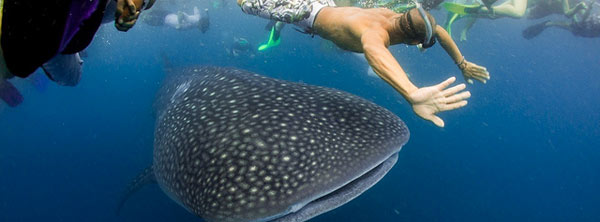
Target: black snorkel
x,y
429,38
147,4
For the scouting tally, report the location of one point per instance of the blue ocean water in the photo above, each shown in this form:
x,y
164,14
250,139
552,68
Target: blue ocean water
x,y
525,148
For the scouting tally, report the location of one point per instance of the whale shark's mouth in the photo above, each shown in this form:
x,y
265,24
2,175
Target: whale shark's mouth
x,y
341,195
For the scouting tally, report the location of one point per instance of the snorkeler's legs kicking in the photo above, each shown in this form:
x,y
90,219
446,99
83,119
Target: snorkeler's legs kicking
x,y
298,12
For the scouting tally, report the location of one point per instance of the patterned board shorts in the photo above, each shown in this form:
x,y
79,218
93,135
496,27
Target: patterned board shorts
x,y
299,12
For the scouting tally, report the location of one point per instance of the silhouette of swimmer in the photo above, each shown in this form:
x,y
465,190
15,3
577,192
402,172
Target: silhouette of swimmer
x,y
242,46
183,21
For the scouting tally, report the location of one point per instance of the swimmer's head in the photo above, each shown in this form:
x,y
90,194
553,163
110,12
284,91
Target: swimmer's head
x,y
414,27
241,44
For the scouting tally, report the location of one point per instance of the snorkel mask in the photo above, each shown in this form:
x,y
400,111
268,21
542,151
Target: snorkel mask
x,y
429,39
147,4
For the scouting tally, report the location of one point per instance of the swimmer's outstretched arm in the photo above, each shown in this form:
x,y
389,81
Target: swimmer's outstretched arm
x,y
469,70
384,64
426,101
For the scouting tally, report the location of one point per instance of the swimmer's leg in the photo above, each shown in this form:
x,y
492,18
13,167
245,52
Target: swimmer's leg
x,y
470,22
450,19
534,30
566,25
274,37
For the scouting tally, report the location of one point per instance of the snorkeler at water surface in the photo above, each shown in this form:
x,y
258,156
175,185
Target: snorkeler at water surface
x,y
585,23
530,9
398,6
372,31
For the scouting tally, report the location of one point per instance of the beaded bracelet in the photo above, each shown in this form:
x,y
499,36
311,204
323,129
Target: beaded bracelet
x,y
462,65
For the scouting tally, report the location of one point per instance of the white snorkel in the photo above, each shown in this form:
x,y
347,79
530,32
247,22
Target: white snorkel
x,y
428,41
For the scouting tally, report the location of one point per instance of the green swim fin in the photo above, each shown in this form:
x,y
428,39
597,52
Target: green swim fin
x,y
460,9
272,42
452,17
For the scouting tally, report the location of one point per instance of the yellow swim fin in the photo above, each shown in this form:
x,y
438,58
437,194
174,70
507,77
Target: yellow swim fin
x,y
459,8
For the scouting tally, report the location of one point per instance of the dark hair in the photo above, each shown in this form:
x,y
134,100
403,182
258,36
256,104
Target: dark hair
x,y
413,25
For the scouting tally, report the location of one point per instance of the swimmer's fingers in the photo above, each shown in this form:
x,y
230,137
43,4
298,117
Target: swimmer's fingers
x,y
125,23
453,90
468,77
481,79
119,10
478,69
124,26
481,75
431,117
473,71
445,83
131,6
435,119
455,99
453,105
126,15
123,5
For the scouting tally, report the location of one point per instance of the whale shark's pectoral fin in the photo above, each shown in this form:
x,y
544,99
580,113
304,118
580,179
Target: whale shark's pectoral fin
x,y
146,177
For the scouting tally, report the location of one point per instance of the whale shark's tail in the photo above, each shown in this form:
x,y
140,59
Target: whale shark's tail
x,y
146,177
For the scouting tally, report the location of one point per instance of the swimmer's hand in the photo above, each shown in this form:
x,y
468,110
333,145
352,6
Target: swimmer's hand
x,y
428,101
127,14
472,71
581,6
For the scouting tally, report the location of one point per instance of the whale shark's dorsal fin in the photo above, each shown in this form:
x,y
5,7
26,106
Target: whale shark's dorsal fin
x,y
146,177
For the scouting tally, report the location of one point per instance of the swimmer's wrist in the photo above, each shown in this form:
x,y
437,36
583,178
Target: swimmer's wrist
x,y
462,64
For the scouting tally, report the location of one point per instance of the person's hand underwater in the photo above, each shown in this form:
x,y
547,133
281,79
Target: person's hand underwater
x,y
472,71
127,13
428,101
581,6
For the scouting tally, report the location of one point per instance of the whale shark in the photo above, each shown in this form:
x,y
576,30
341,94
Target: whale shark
x,y
233,145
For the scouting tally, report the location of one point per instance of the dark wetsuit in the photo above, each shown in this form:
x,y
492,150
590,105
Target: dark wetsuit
x,y
546,8
590,25
34,31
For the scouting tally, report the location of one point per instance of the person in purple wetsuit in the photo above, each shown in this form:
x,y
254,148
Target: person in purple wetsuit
x,y
49,34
